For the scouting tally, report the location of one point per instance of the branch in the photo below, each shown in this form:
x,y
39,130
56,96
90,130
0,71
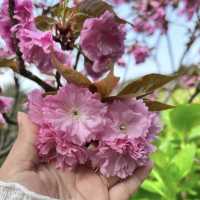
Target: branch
x,y
21,63
9,121
77,59
196,93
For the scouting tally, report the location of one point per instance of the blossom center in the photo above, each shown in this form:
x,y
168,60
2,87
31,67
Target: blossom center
x,y
123,127
76,113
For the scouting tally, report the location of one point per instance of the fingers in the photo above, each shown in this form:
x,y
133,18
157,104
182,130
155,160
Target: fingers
x,y
23,149
125,189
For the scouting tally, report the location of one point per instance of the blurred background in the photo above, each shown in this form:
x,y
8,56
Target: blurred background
x,y
162,37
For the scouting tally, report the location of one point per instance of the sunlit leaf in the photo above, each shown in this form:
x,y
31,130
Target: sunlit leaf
x,y
185,117
184,160
44,22
70,74
146,85
153,186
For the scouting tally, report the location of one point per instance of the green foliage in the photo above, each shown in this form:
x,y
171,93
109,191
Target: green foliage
x,y
176,171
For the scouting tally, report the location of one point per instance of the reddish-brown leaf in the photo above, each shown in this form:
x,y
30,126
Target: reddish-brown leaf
x,y
157,106
70,74
106,85
146,85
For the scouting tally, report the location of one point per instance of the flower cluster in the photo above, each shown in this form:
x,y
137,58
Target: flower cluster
x,y
102,42
140,53
35,45
75,128
190,7
151,16
5,106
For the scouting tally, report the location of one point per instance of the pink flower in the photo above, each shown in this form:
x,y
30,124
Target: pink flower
x,y
126,142
102,42
37,48
24,15
54,147
121,157
151,15
76,111
140,53
128,119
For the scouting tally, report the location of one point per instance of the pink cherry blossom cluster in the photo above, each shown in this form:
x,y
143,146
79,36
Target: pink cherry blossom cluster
x,y
5,106
140,53
190,7
151,16
102,41
35,45
76,128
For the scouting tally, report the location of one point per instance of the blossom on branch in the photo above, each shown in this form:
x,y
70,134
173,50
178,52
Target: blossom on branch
x,y
102,42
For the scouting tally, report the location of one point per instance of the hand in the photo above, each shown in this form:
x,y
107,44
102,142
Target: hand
x,y
22,166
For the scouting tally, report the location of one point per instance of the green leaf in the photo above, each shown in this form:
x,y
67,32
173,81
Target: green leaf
x,y
44,22
154,187
185,117
183,161
145,85
71,75
157,106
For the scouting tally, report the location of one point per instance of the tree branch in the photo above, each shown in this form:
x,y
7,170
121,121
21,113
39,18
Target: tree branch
x,y
21,63
196,93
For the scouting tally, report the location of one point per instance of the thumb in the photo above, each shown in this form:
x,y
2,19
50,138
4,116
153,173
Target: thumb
x,y
23,150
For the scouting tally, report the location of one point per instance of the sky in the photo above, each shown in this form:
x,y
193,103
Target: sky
x,y
178,38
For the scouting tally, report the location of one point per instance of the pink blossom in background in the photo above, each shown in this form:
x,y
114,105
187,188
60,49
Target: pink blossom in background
x,y
151,15
190,7
102,41
5,106
140,53
189,81
76,111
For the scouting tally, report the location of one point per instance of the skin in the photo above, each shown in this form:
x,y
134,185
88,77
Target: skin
x,y
22,166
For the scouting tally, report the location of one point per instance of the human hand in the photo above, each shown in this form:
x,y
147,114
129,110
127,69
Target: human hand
x,y
22,166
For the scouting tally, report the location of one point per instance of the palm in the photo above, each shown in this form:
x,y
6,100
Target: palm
x,y
22,166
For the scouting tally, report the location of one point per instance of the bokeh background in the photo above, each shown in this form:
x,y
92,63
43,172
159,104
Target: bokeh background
x,y
177,159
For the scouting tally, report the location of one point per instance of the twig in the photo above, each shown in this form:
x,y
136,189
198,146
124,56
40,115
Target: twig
x,y
170,50
77,59
9,120
196,93
31,76
58,77
21,64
